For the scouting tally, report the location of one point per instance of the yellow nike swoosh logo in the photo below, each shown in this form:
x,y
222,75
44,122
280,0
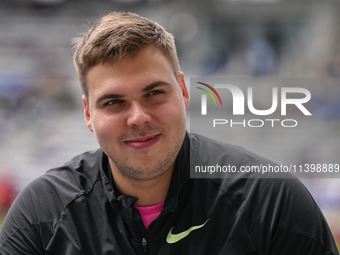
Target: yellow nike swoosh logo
x,y
174,238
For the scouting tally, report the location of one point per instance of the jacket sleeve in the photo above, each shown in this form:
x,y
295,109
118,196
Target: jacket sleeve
x,y
22,231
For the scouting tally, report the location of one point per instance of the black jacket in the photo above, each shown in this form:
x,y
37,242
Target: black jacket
x,y
74,209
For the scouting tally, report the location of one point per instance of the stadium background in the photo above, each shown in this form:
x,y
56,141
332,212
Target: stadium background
x,y
41,118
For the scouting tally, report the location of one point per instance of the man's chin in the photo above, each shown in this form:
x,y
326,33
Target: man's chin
x,y
146,169
143,174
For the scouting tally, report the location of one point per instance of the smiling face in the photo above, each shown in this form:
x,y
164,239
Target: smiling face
x,y
136,109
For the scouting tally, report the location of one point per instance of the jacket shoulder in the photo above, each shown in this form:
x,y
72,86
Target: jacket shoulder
x,y
40,205
80,172
279,209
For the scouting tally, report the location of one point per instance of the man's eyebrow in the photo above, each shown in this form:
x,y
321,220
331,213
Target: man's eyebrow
x,y
154,85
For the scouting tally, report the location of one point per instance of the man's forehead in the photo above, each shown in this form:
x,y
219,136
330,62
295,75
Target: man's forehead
x,y
149,66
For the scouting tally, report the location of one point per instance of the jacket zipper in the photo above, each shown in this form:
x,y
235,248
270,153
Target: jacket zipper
x,y
144,243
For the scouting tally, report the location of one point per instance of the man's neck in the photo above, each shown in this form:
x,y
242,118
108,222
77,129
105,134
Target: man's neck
x,y
148,192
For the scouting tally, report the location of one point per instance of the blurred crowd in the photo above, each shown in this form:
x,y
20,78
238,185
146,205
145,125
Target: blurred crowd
x,y
41,122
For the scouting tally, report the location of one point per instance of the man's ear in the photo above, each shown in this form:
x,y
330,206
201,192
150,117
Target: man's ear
x,y
87,113
184,92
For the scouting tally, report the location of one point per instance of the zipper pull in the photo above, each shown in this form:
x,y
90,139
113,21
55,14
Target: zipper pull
x,y
144,243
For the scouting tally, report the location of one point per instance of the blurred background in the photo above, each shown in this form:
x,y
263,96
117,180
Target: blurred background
x,y
41,118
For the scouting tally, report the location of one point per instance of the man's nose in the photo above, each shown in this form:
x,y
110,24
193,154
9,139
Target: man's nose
x,y
138,115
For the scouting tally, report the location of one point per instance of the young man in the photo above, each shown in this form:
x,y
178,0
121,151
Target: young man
x,y
134,195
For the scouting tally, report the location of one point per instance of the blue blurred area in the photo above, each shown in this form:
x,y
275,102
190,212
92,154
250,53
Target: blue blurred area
x,y
41,118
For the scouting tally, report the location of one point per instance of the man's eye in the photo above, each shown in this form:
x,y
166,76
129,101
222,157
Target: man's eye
x,y
112,102
155,92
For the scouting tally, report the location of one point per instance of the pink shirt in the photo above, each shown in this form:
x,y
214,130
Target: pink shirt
x,y
149,213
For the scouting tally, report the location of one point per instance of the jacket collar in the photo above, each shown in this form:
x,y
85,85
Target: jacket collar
x,y
180,176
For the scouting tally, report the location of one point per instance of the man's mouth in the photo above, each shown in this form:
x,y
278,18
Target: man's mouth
x,y
143,142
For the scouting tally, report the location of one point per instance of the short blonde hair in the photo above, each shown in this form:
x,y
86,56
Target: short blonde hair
x,y
118,35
